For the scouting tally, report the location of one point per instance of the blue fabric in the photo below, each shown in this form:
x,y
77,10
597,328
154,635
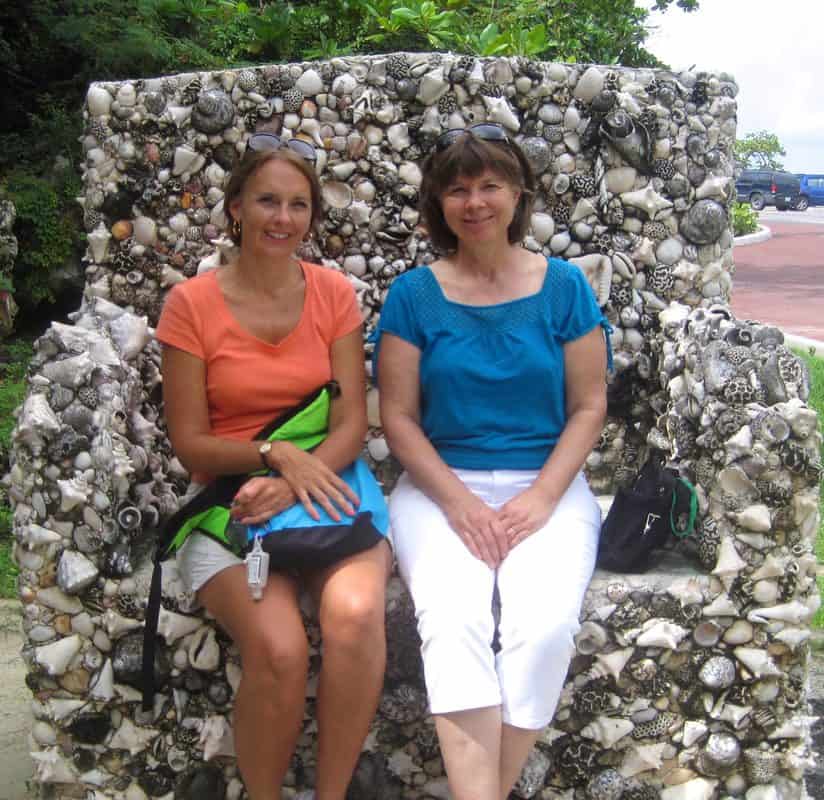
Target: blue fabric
x,y
492,377
360,479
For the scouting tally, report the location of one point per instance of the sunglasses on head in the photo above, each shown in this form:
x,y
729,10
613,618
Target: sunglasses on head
x,y
271,141
488,131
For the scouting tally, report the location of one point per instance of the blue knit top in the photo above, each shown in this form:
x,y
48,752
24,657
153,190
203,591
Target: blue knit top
x,y
492,377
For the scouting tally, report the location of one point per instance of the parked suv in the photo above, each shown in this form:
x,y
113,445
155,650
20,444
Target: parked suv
x,y
767,187
812,191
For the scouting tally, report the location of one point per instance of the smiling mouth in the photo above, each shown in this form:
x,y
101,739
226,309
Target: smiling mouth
x,y
278,236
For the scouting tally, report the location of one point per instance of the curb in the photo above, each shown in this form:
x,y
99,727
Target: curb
x,y
811,346
761,235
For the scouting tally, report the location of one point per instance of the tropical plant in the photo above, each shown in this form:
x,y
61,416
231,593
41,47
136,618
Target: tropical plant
x,y
744,219
759,150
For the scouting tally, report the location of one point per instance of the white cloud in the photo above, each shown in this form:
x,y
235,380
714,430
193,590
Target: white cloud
x,y
775,51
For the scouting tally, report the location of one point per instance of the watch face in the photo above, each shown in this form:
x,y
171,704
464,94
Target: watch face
x,y
265,448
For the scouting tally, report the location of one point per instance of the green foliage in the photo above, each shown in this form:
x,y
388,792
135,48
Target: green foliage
x,y
14,359
8,570
760,150
13,366
744,219
601,31
46,228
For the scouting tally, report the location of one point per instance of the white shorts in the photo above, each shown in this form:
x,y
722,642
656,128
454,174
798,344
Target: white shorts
x,y
200,558
541,585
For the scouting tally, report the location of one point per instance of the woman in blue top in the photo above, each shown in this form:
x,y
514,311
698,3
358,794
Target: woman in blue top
x,y
492,376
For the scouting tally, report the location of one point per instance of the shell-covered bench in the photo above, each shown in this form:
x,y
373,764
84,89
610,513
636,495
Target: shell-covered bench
x,y
688,683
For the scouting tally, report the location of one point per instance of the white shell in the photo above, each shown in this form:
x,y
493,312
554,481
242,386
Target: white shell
x,y
51,767
56,657
729,564
498,110
116,624
695,789
607,730
661,633
755,518
36,423
216,738
203,650
611,663
598,270
132,738
590,638
102,686
793,612
337,194
432,87
758,662
172,626
187,160
647,200
740,632
99,240
99,101
642,758
721,606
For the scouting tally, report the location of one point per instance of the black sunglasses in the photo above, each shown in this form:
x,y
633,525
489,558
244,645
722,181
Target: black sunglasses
x,y
271,141
488,131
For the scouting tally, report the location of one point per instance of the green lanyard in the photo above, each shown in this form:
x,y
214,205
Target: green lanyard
x,y
693,511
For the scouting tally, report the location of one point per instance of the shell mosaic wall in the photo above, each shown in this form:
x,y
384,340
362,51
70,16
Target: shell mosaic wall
x,y
8,253
688,682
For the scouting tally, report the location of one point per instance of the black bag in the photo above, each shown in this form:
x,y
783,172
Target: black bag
x,y
641,519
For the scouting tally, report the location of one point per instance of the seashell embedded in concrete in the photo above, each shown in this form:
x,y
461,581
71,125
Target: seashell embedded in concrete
x,y
705,222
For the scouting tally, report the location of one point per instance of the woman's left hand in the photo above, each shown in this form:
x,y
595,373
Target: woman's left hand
x,y
525,513
261,498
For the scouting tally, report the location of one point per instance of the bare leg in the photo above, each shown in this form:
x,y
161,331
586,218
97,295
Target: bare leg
x,y
471,748
274,651
515,746
351,599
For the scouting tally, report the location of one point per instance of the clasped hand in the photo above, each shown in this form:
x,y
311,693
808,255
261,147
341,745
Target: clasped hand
x,y
489,534
303,478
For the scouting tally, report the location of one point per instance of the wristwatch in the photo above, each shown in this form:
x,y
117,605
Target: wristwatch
x,y
263,450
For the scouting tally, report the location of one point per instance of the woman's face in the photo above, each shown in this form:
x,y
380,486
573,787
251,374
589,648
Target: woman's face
x,y
480,208
274,209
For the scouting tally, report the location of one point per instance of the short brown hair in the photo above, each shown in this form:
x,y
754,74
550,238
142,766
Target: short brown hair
x,y
469,157
251,162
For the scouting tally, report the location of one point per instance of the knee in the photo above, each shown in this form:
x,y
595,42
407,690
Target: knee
x,y
355,620
275,657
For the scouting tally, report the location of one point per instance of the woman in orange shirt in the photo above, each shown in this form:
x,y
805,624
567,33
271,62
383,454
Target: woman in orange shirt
x,y
242,344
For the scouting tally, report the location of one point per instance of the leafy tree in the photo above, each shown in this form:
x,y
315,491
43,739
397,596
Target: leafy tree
x,y
759,150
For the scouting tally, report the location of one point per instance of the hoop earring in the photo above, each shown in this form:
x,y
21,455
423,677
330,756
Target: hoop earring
x,y
236,231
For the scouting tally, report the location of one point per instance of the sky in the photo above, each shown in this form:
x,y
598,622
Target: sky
x,y
775,51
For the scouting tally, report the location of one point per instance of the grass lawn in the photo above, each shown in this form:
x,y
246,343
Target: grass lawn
x,y
14,360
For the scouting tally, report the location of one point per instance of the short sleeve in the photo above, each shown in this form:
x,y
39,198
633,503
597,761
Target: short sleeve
x,y
179,324
398,313
346,312
578,311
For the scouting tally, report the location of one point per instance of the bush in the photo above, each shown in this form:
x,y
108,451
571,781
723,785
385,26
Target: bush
x,y
48,231
744,219
14,359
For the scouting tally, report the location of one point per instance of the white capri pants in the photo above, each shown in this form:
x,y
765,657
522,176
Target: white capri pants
x,y
541,585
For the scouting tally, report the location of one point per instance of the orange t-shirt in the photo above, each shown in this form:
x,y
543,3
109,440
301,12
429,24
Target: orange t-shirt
x,y
249,381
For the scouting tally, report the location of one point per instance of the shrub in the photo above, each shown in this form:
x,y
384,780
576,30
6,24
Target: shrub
x,y
744,219
48,231
13,366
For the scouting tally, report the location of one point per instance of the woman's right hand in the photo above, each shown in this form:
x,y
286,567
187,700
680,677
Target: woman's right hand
x,y
312,481
479,528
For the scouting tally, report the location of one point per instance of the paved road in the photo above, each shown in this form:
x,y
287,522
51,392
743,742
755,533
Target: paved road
x,y
781,280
